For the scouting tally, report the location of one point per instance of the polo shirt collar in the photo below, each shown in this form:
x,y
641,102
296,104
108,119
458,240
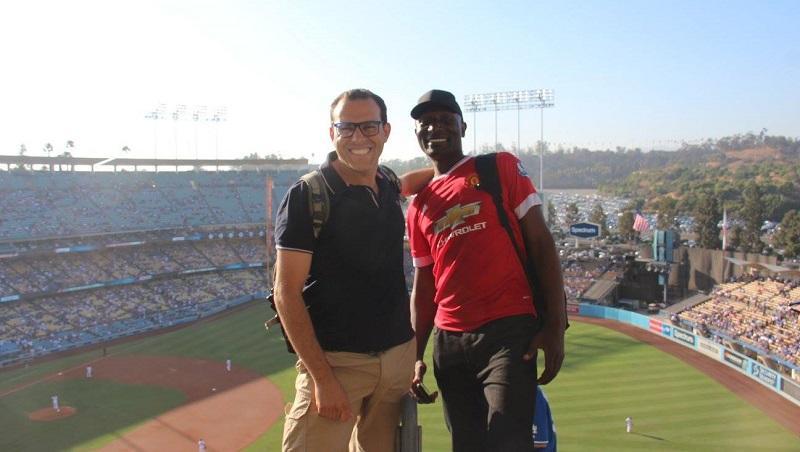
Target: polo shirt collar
x,y
335,182
332,178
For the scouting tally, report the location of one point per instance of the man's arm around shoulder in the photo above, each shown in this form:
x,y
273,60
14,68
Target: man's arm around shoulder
x,y
542,250
414,181
292,268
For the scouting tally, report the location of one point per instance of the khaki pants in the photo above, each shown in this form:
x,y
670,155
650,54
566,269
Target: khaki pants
x,y
375,386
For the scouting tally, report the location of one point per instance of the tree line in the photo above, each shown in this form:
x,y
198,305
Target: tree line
x,y
700,180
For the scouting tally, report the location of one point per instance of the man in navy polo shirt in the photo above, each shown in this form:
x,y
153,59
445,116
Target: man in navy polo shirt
x,y
352,333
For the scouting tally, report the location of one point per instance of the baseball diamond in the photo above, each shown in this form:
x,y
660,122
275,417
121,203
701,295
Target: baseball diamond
x,y
681,400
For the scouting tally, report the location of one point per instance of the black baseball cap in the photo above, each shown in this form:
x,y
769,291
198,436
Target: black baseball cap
x,y
436,99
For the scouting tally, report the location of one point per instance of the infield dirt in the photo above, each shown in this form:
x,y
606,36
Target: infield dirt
x,y
228,410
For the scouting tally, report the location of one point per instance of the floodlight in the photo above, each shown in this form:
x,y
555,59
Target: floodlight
x,y
512,100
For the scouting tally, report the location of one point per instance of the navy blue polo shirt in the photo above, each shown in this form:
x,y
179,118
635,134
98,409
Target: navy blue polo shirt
x,y
360,300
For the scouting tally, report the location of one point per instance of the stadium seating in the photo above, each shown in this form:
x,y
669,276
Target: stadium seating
x,y
59,204
62,321
580,275
756,312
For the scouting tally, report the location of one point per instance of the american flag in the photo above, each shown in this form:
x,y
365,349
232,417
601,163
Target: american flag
x,y
640,223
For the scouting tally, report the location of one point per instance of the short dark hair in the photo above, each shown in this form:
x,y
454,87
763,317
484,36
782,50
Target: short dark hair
x,y
360,93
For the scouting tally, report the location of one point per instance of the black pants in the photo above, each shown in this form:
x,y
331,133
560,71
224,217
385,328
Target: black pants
x,y
488,391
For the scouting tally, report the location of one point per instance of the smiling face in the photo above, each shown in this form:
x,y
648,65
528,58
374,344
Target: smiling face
x,y
358,153
439,135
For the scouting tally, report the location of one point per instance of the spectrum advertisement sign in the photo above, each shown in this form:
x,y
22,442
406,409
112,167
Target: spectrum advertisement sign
x,y
584,230
767,376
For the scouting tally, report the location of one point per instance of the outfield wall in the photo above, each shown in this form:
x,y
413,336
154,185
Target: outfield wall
x,y
750,367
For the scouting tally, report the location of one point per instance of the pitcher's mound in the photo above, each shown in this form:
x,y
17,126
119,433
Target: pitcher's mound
x,y
49,414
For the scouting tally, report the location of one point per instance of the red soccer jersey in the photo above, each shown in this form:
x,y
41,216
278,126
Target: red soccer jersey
x,y
454,226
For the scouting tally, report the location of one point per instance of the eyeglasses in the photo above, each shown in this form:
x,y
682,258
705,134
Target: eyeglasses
x,y
368,128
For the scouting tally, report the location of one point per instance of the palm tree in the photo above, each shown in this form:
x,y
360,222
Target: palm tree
x,y
126,149
22,150
70,145
48,148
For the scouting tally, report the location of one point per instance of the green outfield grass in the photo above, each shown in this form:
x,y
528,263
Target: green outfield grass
x,y
607,376
105,410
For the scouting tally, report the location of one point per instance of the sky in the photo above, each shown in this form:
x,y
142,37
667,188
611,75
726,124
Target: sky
x,y
624,73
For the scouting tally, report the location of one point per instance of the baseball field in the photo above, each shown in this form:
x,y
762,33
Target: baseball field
x,y
166,391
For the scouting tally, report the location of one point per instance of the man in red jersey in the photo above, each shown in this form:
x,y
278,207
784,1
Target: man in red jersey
x,y
469,284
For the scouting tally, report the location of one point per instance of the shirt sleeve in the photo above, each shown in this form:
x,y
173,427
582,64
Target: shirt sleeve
x,y
519,189
293,225
420,249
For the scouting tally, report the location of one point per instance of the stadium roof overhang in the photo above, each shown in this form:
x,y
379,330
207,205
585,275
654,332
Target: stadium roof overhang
x,y
43,160
255,163
277,164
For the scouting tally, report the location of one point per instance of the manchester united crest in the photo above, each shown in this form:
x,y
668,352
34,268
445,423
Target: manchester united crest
x,y
473,181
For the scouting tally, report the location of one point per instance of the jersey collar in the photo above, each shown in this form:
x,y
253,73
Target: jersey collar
x,y
465,159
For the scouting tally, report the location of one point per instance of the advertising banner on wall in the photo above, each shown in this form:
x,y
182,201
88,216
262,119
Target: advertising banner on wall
x,y
708,348
767,376
655,325
790,388
734,359
684,336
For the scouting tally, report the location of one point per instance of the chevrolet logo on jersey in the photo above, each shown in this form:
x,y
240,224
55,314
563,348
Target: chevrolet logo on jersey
x,y
456,215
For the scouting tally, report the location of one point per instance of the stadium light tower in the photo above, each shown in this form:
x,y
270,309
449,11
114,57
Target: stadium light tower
x,y
198,113
545,98
155,115
512,100
219,115
177,115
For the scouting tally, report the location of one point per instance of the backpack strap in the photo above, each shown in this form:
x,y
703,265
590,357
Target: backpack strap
x,y
489,181
392,177
319,202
